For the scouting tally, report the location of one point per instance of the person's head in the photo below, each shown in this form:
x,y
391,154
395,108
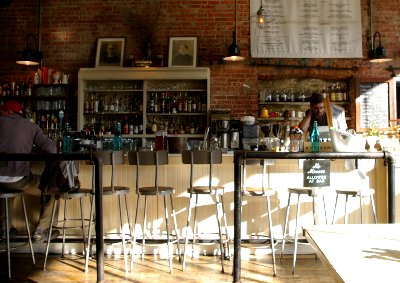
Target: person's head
x,y
9,107
183,49
110,50
317,104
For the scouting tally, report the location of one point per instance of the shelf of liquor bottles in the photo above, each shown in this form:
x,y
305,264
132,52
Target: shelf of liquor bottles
x,y
144,100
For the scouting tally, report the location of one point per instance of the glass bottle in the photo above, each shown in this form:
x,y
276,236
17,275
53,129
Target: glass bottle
x,y
314,138
66,144
117,139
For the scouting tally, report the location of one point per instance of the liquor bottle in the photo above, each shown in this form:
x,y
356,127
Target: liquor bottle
x,y
117,139
66,140
314,138
99,141
153,126
152,103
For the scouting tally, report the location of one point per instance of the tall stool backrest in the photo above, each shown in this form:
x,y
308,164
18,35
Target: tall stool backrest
x,y
109,157
199,157
148,158
254,162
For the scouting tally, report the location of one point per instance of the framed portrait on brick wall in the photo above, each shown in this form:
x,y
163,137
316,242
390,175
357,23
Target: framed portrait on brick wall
x,y
110,52
182,52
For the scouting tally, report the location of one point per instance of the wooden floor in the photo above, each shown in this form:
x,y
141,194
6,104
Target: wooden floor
x,y
204,269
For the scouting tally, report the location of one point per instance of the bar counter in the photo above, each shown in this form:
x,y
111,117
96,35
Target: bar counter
x,y
285,172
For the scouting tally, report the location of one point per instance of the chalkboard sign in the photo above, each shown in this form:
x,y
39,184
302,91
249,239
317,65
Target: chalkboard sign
x,y
373,105
316,173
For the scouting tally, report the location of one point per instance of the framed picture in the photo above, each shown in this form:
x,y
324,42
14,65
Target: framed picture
x,y
110,52
182,52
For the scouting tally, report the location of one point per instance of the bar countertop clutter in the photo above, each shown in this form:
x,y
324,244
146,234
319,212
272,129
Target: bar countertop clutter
x,y
241,156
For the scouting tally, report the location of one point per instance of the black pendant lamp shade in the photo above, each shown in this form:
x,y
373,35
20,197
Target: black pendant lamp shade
x,y
234,51
28,56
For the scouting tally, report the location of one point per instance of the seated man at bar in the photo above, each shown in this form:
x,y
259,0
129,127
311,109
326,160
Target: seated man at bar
x,y
19,135
315,113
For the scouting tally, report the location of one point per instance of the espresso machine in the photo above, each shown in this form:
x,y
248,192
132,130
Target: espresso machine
x,y
220,127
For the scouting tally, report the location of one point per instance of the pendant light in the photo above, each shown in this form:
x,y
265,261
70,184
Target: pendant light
x,y
28,56
261,17
233,51
376,54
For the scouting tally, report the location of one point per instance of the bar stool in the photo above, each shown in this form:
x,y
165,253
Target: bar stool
x,y
197,158
260,191
68,223
109,158
153,159
5,195
311,192
361,194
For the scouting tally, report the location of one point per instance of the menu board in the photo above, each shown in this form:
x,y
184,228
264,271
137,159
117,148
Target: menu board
x,y
373,105
307,29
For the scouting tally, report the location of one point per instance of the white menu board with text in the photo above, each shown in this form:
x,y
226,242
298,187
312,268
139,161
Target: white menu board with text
x,y
307,29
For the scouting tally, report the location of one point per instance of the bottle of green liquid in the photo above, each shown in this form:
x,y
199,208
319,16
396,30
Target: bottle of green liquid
x,y
66,140
117,139
314,138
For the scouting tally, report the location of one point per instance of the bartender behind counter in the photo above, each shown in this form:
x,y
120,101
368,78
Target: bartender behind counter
x,y
315,113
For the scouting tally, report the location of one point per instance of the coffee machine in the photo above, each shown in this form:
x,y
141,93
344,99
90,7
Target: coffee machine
x,y
220,126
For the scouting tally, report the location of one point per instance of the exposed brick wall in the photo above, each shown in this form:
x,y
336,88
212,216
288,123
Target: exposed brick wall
x,y
70,30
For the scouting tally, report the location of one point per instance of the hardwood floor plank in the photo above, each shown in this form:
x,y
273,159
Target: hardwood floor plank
x,y
152,269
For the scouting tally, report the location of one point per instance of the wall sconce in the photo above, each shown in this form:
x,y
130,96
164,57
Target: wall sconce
x,y
233,51
378,54
261,17
30,57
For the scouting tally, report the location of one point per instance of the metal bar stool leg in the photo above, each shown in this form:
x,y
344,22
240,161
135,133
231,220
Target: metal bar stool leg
x,y
345,210
361,209
194,225
27,229
175,227
87,252
187,229
334,210
50,231
296,236
227,252
65,220
122,234
271,235
168,240
221,244
82,224
285,226
373,208
144,226
130,232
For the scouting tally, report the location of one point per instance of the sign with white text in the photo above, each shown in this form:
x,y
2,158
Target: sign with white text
x,y
316,172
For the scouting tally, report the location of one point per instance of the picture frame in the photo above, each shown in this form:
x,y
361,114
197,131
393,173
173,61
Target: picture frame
x,y
182,51
110,52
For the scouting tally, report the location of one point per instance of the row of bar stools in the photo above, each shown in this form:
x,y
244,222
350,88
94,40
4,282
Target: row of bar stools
x,y
5,195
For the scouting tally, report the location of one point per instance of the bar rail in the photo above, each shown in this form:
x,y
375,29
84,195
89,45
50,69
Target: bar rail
x,y
241,155
84,156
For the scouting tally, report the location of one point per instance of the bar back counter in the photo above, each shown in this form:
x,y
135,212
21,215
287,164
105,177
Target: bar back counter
x,y
285,171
